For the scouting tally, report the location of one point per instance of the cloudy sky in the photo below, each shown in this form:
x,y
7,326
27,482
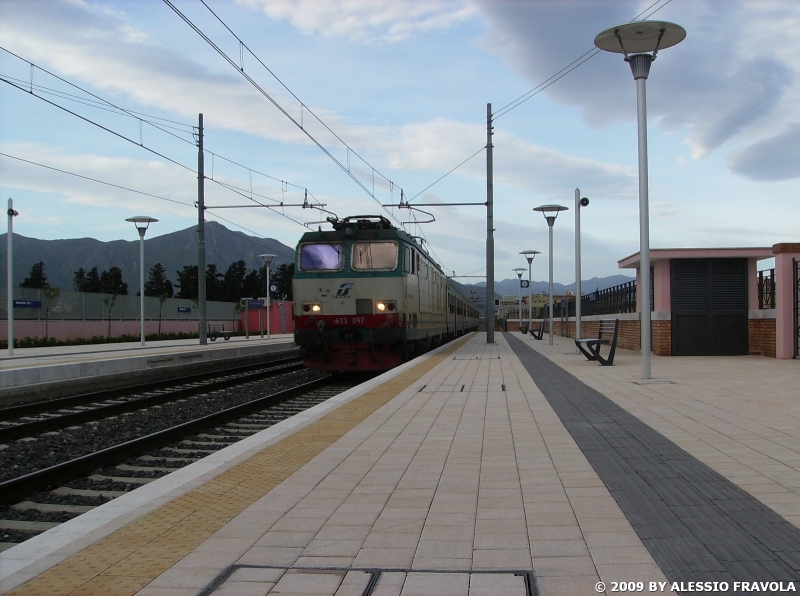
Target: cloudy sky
x,y
395,92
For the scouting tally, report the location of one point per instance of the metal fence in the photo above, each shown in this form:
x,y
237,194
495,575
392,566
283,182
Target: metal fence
x,y
34,305
617,299
766,289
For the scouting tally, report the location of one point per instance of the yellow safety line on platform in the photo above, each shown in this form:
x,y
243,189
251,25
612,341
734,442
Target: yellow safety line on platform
x,y
124,562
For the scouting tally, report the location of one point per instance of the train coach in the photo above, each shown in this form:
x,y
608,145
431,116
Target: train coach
x,y
368,297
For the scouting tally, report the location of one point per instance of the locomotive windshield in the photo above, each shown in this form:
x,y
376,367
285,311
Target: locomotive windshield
x,y
321,257
374,255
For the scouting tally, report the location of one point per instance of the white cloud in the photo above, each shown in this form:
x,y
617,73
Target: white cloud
x,y
770,159
367,21
731,74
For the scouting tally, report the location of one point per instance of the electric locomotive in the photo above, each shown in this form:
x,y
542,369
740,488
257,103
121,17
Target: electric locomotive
x,y
368,297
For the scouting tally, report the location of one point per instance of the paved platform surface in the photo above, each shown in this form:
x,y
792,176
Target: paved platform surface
x,y
42,370
514,468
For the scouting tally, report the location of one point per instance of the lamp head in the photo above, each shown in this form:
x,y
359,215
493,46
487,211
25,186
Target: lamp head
x,y
639,37
550,212
267,258
142,222
530,254
519,271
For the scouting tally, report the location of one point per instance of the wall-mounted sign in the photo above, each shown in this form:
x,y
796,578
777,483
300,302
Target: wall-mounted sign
x,y
27,304
184,309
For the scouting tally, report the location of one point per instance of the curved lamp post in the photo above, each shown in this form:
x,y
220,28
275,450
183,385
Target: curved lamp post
x,y
10,275
579,202
142,222
519,271
530,254
550,213
636,40
267,262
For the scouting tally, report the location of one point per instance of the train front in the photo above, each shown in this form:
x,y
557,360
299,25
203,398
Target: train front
x,y
348,292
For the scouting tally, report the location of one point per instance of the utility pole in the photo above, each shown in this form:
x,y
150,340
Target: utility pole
x,y
489,229
201,236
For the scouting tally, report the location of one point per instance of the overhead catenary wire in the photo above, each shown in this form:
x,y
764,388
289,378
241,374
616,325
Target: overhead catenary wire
x,y
101,103
579,61
147,194
133,190
304,108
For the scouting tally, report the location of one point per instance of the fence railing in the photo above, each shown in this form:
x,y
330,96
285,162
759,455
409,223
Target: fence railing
x,y
617,299
85,306
766,289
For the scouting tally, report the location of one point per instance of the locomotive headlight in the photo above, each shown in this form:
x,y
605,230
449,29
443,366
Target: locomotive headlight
x,y
312,308
316,308
382,306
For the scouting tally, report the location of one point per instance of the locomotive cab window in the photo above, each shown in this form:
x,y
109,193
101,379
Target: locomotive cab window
x,y
321,257
374,255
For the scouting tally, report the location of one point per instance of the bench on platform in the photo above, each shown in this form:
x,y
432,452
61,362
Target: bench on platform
x,y
218,329
537,333
606,337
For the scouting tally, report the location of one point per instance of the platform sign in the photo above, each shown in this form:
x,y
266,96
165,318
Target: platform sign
x,y
185,309
273,288
524,283
255,304
27,304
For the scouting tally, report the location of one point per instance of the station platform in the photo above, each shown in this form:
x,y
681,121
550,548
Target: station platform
x,y
503,469
36,373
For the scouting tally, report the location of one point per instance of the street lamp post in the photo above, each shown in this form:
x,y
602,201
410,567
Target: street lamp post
x,y
142,222
267,261
519,271
636,40
530,254
10,275
550,213
579,202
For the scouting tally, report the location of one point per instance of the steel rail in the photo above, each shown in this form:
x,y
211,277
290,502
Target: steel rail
x,y
27,429
16,489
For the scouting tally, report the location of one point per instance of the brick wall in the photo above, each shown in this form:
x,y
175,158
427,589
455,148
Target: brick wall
x,y
628,335
762,337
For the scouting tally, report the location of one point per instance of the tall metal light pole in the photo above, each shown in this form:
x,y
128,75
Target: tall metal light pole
x,y
267,261
142,222
519,271
550,213
10,275
489,228
635,40
579,202
530,254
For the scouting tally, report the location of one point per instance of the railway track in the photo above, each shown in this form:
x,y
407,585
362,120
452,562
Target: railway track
x,y
54,476
33,418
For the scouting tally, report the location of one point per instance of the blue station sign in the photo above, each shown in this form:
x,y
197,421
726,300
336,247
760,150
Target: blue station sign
x,y
184,309
27,304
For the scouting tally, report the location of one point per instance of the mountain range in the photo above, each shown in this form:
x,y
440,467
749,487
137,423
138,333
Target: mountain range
x,y
174,251
178,249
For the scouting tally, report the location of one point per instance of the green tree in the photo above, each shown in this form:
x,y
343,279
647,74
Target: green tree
x,y
158,284
233,281
79,280
215,289
282,279
92,282
252,285
50,294
187,283
111,282
37,278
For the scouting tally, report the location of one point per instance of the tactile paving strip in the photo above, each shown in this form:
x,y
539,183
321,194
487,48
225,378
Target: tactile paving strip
x,y
130,558
697,524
